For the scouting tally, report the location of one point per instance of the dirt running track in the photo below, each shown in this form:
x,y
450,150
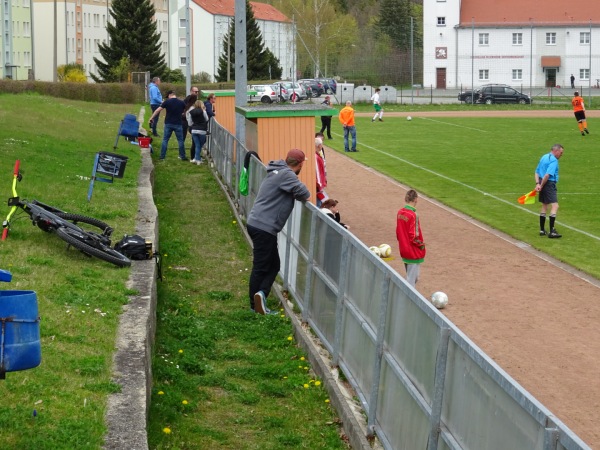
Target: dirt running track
x,y
499,289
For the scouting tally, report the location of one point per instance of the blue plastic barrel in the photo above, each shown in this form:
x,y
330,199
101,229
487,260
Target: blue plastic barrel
x,y
20,347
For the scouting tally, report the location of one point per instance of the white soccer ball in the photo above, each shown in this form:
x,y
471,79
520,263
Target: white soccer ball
x,y
375,250
439,300
409,118
385,251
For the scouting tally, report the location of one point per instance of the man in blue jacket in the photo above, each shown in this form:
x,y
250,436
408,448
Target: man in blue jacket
x,y
156,100
272,207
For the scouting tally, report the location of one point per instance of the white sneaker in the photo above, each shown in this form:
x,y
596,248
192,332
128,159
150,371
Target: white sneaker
x,y
193,161
199,162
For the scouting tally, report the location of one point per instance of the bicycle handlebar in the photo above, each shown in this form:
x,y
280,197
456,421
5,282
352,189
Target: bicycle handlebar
x,y
14,192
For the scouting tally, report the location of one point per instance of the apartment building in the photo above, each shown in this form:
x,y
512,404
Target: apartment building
x,y
37,36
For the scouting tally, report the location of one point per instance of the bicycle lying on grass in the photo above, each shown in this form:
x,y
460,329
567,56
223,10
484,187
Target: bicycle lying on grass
x,y
67,226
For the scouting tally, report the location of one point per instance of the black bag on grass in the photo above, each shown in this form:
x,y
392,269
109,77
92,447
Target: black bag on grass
x,y
134,247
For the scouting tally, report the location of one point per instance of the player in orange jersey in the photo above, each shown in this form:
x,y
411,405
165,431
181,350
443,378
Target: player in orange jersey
x,y
579,111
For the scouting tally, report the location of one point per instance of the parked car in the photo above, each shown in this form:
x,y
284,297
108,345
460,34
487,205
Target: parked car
x,y
265,93
282,92
316,86
291,88
499,93
469,96
329,84
306,87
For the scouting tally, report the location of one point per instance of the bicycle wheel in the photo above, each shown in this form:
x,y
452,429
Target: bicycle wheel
x,y
78,219
86,244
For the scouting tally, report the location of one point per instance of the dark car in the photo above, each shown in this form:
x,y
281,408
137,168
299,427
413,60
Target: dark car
x,y
468,96
329,84
306,87
316,86
499,93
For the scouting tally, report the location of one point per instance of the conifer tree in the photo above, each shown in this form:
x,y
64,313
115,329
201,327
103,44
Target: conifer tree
x,y
133,35
258,58
394,21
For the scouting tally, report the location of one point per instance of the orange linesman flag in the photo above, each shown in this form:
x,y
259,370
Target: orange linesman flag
x,y
527,199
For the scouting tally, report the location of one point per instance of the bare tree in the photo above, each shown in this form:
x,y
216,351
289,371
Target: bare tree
x,y
324,35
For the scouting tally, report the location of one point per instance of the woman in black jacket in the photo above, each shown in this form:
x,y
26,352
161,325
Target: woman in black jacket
x,y
198,121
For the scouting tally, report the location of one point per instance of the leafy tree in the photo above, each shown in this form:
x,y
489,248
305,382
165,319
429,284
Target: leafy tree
x,y
201,77
120,71
258,58
324,36
174,76
133,36
394,21
73,72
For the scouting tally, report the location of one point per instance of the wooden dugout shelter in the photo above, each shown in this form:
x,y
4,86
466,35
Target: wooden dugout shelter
x,y
273,130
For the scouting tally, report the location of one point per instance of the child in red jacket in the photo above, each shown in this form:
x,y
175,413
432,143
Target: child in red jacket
x,y
410,237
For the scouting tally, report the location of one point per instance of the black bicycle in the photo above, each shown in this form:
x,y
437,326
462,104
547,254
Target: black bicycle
x,y
67,226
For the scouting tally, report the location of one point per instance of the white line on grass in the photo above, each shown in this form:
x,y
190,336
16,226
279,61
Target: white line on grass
x,y
452,124
486,194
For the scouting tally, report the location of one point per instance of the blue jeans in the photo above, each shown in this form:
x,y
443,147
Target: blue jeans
x,y
199,141
154,108
352,131
170,129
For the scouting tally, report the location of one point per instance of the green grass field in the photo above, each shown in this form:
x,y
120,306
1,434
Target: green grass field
x,y
480,166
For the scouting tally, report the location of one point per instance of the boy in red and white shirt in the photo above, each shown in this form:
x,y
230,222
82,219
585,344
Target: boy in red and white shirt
x,y
410,237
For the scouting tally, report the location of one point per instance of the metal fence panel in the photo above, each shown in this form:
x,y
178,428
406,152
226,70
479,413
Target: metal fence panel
x,y
480,413
363,288
412,339
400,418
322,311
357,351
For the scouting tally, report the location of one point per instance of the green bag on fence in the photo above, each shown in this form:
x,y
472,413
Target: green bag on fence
x,y
244,181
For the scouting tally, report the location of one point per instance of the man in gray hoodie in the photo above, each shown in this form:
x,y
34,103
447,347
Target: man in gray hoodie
x,y
272,207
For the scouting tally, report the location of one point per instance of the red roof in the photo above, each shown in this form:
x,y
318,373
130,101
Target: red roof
x,y
262,11
507,12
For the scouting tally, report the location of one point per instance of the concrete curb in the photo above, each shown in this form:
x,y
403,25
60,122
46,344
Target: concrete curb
x,y
127,411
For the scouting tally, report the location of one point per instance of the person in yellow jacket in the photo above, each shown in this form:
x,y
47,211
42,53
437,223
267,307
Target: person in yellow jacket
x,y
347,120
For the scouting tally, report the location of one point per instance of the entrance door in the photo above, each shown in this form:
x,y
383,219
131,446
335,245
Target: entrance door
x,y
440,76
550,77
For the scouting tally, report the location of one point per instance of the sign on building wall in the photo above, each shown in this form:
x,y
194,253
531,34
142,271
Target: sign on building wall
x,y
441,53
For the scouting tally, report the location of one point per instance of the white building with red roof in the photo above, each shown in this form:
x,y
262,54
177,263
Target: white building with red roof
x,y
521,43
209,25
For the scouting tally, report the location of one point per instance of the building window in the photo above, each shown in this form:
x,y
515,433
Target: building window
x,y
165,28
517,74
584,74
484,74
517,38
182,42
550,38
441,21
584,37
182,61
484,38
182,23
